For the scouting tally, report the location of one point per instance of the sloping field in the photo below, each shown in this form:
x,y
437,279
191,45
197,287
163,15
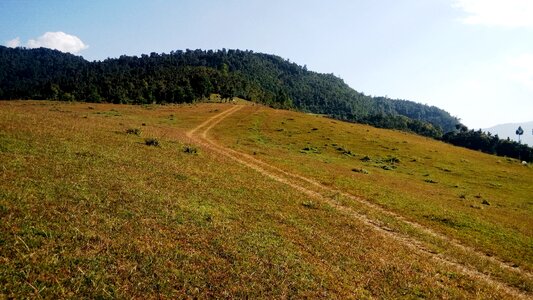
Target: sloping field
x,y
246,201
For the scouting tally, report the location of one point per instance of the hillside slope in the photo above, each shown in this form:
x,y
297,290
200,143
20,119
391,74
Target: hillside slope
x,y
187,76
230,205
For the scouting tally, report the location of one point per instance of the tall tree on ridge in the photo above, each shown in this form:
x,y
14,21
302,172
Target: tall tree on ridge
x,y
519,132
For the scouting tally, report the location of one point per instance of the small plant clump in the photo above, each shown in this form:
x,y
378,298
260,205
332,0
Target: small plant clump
x,y
359,170
135,131
392,160
189,149
345,151
152,142
310,204
310,149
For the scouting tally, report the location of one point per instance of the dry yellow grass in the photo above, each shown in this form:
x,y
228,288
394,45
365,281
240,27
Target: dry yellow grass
x,y
90,211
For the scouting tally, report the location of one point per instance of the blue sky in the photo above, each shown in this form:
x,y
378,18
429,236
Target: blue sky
x,y
473,58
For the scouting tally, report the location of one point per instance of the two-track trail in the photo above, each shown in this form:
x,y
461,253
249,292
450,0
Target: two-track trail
x,y
320,192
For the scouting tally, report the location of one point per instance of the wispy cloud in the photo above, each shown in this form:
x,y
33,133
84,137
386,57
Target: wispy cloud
x,y
501,13
13,43
58,40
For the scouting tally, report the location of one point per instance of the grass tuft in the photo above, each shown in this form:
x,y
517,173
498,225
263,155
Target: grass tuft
x,y
134,131
190,149
360,170
152,142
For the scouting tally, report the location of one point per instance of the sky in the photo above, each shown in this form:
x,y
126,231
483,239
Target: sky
x,y
472,58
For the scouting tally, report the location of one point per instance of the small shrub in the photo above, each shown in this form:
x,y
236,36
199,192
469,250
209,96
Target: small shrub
x,y
135,131
366,158
345,151
444,169
362,171
392,160
310,204
180,177
189,149
462,196
430,181
310,149
485,202
152,142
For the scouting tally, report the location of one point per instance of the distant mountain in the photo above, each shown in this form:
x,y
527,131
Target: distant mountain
x,y
508,130
191,75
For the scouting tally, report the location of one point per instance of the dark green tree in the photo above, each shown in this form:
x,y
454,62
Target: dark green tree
x,y
519,132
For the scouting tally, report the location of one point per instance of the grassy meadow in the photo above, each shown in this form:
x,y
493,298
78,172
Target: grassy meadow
x,y
117,201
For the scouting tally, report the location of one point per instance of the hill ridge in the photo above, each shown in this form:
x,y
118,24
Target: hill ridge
x,y
186,76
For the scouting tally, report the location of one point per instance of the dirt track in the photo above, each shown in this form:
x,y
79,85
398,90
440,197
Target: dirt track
x,y
199,135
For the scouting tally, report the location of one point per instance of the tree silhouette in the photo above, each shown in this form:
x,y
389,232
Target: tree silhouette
x,y
519,132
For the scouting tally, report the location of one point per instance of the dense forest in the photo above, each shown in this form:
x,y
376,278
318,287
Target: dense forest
x,y
488,143
192,75
187,76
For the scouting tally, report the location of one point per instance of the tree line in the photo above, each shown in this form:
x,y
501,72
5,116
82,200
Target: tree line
x,y
192,75
488,143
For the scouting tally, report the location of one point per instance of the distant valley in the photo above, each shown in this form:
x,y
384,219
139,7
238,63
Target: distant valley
x,y
508,131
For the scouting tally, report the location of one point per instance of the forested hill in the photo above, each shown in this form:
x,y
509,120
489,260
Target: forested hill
x,y
187,76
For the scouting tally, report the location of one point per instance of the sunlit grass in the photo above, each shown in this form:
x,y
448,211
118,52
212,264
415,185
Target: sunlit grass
x,y
89,210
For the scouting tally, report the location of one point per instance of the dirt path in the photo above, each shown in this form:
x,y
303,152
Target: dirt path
x,y
300,183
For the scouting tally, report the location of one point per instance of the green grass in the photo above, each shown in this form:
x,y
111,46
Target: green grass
x,y
411,175
90,211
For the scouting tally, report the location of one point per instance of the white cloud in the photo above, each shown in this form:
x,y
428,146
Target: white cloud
x,y
503,13
13,43
58,40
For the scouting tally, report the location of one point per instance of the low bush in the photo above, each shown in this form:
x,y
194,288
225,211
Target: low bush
x,y
152,142
135,131
362,171
189,149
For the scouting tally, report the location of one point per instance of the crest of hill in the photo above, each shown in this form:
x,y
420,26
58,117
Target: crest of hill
x,y
191,75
